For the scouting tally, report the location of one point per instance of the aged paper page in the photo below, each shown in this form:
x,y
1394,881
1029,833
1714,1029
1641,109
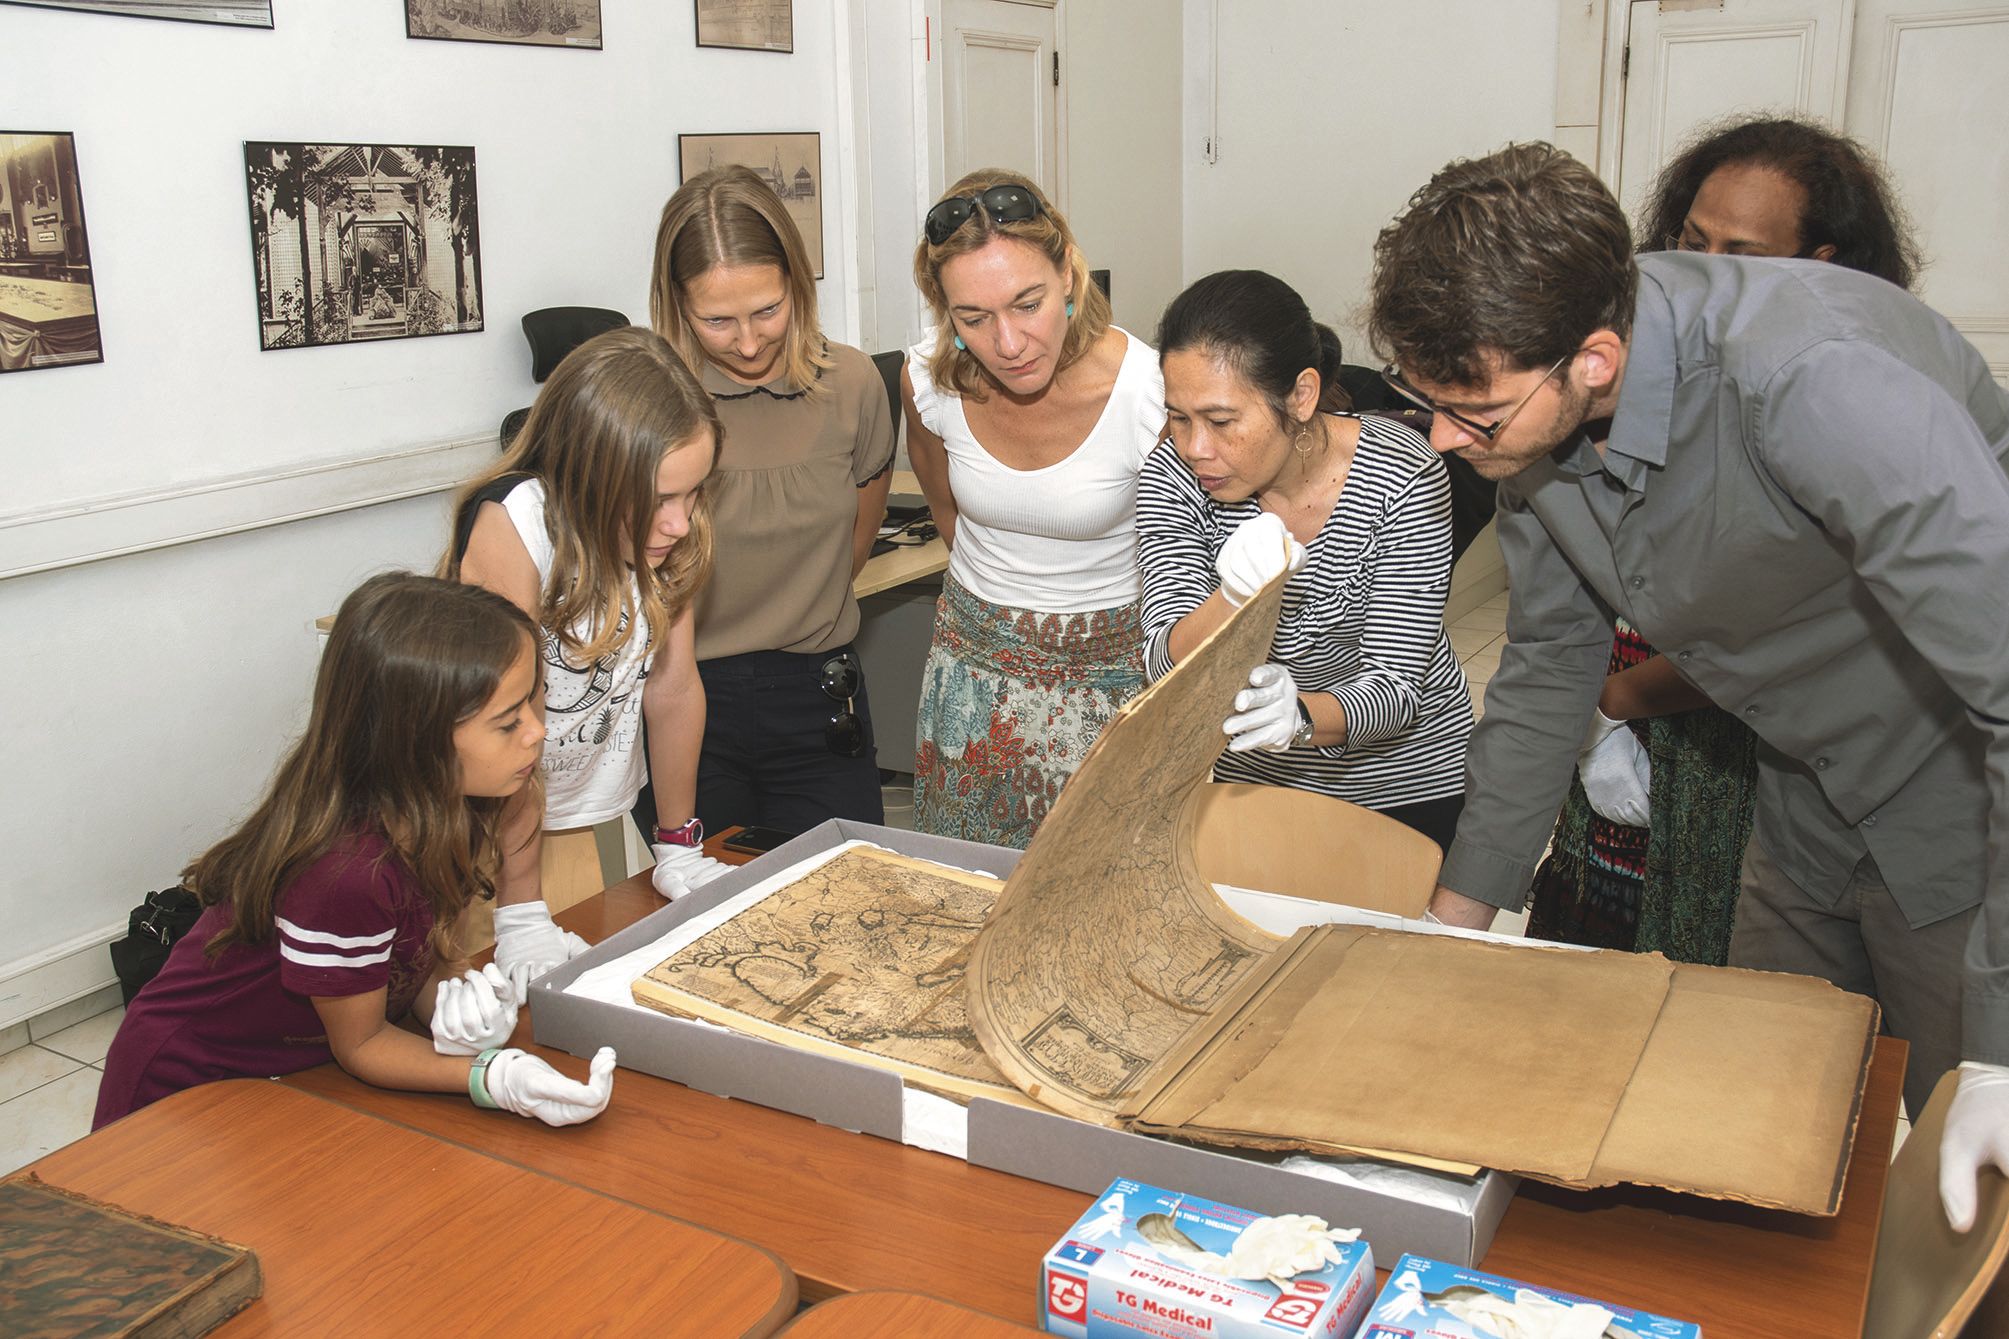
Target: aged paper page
x,y
1106,945
862,957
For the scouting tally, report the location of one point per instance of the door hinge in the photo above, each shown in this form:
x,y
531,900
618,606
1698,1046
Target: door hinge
x,y
1056,69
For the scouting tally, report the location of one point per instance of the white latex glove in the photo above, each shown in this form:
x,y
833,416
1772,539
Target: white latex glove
x,y
1265,712
1256,552
473,1012
1616,772
680,869
1977,1136
1280,1248
528,944
521,1083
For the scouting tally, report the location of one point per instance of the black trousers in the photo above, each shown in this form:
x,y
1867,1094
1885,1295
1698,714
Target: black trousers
x,y
1435,819
765,760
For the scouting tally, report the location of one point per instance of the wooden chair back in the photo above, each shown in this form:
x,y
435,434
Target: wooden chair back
x,y
1278,840
1929,1279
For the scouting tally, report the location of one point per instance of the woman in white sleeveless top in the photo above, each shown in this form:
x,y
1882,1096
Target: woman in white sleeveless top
x,y
1029,417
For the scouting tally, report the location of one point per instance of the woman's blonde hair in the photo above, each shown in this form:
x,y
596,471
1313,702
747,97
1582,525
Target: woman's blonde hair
x,y
409,658
728,216
1047,232
596,436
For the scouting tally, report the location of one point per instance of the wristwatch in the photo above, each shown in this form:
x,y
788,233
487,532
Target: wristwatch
x,y
690,834
1302,735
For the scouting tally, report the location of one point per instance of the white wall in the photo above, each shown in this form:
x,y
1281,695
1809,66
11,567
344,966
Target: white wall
x,y
1331,112
150,695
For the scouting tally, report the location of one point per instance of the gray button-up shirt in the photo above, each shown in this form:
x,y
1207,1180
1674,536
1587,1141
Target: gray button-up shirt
x,y
1803,503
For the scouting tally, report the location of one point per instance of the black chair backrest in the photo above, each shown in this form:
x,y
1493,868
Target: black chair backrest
x,y
889,365
554,332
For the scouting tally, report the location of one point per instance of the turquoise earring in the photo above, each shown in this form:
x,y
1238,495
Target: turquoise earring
x,y
1070,311
960,345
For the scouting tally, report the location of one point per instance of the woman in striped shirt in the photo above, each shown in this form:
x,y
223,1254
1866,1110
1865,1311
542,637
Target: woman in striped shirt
x,y
1362,698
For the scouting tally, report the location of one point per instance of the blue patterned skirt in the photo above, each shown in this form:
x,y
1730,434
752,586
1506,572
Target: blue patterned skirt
x,y
1010,701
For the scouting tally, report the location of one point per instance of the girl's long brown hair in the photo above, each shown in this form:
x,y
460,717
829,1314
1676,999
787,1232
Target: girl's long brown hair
x,y
1047,232
410,658
728,216
598,432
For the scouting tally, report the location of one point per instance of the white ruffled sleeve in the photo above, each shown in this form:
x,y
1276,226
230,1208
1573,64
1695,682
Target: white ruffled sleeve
x,y
927,400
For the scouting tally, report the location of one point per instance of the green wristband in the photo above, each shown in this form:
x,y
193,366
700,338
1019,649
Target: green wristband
x,y
477,1080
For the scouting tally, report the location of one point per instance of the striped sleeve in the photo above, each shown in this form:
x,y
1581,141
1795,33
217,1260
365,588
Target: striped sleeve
x,y
1402,619
335,926
1177,538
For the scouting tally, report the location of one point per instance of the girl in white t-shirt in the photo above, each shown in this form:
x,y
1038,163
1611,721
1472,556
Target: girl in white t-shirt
x,y
611,464
1028,417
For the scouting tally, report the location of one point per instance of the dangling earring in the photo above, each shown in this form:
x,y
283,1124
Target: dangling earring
x,y
1070,310
960,345
1302,446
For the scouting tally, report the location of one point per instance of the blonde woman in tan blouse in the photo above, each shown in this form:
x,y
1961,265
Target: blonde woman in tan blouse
x,y
798,495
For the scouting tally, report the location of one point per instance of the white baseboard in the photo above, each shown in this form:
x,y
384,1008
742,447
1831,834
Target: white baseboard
x,y
68,971
42,539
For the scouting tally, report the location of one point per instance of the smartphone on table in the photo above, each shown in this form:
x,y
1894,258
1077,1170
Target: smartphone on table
x,y
757,840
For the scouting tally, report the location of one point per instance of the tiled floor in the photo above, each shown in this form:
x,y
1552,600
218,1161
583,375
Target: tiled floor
x,y
1477,639
49,1086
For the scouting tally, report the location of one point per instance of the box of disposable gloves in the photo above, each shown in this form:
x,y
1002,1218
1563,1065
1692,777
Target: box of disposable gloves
x,y
1145,1261
1440,1301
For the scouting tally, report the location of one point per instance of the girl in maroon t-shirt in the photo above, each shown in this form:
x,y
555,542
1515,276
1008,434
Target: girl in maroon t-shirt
x,y
330,914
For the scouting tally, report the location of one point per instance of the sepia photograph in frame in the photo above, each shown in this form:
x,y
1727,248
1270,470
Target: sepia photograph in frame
x,y
48,304
355,242
790,161
747,25
558,23
229,13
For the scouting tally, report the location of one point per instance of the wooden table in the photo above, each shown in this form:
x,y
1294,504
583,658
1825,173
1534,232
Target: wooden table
x,y
365,1227
890,1315
851,1213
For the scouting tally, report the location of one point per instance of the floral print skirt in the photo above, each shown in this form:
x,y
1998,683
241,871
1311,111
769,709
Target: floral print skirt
x,y
1011,699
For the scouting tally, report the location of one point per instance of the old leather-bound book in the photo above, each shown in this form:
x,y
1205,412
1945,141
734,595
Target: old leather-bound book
x,y
74,1266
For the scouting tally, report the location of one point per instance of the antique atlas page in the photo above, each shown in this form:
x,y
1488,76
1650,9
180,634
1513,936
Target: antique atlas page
x,y
1107,946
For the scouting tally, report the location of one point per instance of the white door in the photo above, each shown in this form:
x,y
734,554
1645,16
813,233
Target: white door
x,y
1687,64
1925,93
999,89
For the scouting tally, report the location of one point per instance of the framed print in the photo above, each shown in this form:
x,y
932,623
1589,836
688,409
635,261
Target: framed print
x,y
747,25
235,13
562,23
48,305
791,162
362,241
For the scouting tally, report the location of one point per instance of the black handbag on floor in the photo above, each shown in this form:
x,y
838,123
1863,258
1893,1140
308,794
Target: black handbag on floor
x,y
151,930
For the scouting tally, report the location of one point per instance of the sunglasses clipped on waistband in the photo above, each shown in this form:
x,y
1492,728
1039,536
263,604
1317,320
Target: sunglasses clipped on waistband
x,y
844,733
1005,204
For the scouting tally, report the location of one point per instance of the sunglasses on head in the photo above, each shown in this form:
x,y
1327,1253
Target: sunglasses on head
x,y
1004,204
844,733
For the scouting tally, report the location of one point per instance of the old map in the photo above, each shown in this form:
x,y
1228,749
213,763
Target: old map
x,y
863,954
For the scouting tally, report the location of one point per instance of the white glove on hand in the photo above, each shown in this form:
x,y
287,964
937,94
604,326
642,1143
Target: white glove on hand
x,y
521,1083
473,1012
1616,772
1977,1136
680,869
1266,712
528,944
1256,552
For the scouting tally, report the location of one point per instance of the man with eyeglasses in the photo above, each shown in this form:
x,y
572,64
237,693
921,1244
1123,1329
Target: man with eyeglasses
x,y
1789,476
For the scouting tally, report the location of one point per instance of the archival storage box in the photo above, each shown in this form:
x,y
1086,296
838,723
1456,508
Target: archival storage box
x,y
1405,1210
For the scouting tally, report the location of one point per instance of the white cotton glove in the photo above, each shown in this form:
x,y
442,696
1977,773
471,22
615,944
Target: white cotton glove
x,y
523,1084
1255,553
528,944
1265,712
1977,1136
1616,772
681,869
473,1012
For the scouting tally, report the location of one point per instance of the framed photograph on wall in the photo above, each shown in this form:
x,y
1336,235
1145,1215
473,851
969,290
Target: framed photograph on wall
x,y
562,23
790,162
362,241
234,13
48,305
747,25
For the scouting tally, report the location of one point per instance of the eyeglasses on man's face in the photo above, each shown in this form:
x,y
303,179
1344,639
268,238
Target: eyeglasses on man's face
x,y
1490,431
1005,204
